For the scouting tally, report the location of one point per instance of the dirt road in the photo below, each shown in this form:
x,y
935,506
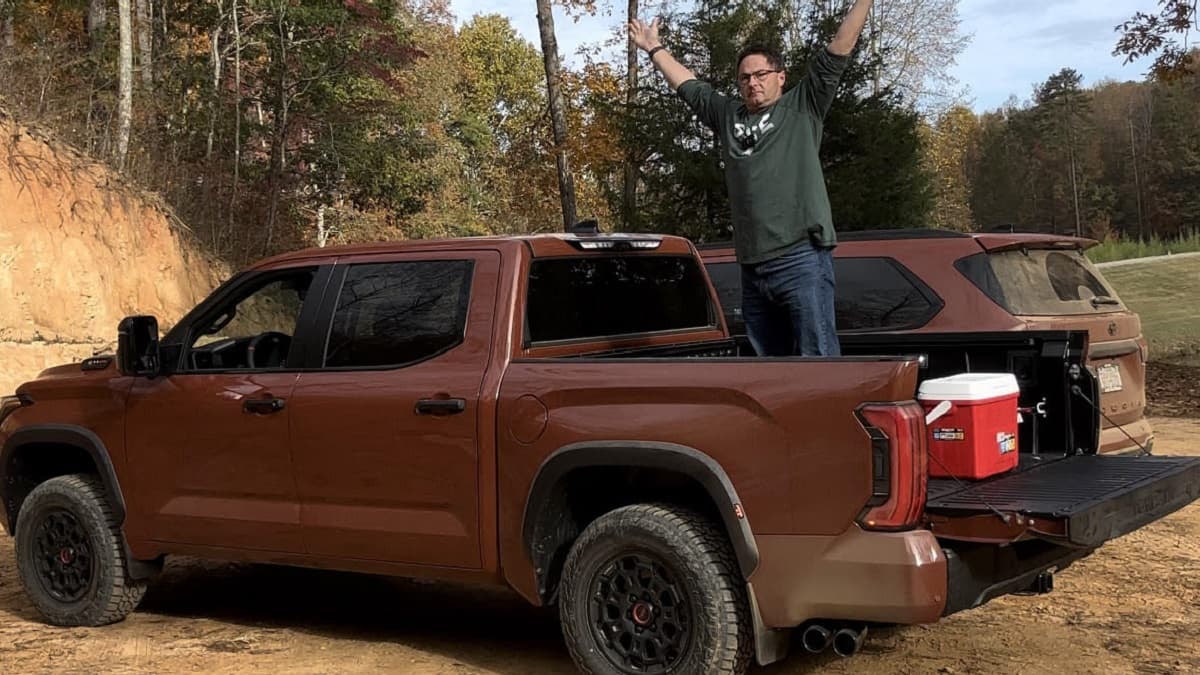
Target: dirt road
x,y
1134,606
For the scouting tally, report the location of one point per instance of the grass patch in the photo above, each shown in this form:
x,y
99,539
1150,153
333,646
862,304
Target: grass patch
x,y
1164,293
1124,250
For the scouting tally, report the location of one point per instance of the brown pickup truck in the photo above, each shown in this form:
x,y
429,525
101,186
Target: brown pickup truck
x,y
565,415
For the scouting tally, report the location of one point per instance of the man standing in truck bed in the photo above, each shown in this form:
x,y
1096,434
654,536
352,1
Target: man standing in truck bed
x,y
783,228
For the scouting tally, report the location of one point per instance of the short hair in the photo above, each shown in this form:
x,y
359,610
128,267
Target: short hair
x,y
774,58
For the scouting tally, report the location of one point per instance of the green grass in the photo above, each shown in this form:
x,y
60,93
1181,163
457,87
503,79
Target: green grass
x,y
1124,250
1166,294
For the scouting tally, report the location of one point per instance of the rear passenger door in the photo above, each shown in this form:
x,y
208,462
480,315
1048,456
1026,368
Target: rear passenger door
x,y
386,430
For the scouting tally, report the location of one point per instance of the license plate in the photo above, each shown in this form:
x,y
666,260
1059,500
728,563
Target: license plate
x,y
1110,378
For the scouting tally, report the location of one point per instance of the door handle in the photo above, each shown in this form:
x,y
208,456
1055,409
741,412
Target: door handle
x,y
441,406
263,406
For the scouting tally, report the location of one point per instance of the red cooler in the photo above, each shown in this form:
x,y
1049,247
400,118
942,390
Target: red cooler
x,y
977,438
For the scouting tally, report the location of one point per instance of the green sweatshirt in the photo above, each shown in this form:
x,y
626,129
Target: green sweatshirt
x,y
776,186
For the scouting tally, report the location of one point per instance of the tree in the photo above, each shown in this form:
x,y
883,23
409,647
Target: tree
x,y
125,86
145,30
918,42
97,23
1164,34
1001,172
511,149
1063,117
952,139
7,35
629,188
558,114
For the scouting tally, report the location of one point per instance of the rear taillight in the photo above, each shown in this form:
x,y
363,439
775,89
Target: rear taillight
x,y
899,456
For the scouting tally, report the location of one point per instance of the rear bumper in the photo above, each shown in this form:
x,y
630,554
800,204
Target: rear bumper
x,y
1113,441
979,573
857,576
894,578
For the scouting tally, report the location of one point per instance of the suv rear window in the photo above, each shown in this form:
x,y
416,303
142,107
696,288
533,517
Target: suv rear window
x,y
1041,282
597,297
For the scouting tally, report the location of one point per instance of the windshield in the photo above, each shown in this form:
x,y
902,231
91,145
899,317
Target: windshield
x,y
1041,282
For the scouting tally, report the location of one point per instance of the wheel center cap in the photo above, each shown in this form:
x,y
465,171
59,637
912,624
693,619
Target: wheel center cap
x,y
66,555
643,613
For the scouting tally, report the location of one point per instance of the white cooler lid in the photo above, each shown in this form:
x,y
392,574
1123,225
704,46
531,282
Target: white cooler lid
x,y
969,387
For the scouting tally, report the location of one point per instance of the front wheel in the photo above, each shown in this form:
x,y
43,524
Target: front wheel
x,y
70,554
654,589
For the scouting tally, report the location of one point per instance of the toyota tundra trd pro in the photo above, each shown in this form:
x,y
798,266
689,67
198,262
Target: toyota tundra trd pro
x,y
568,416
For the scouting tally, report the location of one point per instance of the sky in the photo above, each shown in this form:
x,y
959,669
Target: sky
x,y
1015,44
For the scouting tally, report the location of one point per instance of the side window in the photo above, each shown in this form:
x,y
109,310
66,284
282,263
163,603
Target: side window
x,y
727,278
879,294
393,314
254,329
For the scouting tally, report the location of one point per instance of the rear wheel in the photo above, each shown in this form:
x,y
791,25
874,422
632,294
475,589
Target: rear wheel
x,y
70,554
654,589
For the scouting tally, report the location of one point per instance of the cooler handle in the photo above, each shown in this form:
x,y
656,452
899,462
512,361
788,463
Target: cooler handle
x,y
938,412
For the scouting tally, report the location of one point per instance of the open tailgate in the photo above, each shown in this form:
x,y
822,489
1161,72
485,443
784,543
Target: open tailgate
x,y
1082,501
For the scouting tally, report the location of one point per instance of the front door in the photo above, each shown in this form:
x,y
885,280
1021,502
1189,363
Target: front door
x,y
385,436
208,443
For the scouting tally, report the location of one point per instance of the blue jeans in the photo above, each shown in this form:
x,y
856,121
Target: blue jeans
x,y
787,304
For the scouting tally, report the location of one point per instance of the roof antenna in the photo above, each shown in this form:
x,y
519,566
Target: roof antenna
x,y
590,226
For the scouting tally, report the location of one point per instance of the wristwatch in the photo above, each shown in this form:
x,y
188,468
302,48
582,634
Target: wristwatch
x,y
650,54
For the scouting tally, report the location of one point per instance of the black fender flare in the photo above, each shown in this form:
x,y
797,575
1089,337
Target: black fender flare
x,y
651,455
60,434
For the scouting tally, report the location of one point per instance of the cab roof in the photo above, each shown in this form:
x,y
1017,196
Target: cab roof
x,y
554,244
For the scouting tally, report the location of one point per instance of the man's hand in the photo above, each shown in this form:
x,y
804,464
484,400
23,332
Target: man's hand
x,y
644,36
852,26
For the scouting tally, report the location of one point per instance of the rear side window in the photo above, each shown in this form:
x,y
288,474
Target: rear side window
x,y
871,294
1041,282
727,279
393,314
879,294
598,297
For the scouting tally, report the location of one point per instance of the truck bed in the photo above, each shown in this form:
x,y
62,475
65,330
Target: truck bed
x,y
1098,497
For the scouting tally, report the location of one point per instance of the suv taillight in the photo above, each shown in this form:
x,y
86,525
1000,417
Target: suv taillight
x,y
899,455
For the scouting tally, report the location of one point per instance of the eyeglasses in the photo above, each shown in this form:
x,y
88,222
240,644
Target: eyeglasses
x,y
758,75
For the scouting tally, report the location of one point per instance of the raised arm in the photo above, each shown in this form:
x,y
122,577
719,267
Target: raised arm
x,y
852,26
645,36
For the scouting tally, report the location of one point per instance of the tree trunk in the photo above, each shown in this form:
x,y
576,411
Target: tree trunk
x,y
629,201
876,33
145,37
7,9
279,131
322,233
125,82
214,46
1137,181
278,160
1071,157
558,114
237,107
97,24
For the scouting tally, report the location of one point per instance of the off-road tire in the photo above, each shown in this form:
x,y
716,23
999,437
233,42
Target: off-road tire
x,y
696,558
75,503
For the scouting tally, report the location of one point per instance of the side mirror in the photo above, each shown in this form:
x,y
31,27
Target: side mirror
x,y
137,346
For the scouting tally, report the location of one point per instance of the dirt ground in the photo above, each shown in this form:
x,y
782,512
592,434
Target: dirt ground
x,y
1134,606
